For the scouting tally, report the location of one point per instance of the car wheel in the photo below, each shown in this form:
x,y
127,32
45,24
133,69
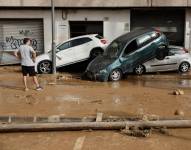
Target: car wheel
x,y
45,67
184,67
115,75
139,70
161,52
96,53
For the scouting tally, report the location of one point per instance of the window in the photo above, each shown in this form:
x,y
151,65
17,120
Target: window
x,y
114,49
74,43
175,51
143,40
80,41
130,48
154,35
64,46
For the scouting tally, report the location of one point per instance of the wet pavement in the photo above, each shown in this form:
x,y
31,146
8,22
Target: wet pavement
x,y
66,95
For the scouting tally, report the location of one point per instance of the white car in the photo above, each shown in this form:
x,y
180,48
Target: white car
x,y
178,58
72,51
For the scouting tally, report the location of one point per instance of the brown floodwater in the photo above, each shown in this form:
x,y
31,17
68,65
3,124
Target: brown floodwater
x,y
68,96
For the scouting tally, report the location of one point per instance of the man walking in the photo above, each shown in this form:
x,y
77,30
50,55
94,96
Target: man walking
x,y
27,55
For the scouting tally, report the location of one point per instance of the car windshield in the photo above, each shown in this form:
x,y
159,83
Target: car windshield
x,y
114,49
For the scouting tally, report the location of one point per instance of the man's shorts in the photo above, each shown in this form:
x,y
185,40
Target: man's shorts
x,y
28,70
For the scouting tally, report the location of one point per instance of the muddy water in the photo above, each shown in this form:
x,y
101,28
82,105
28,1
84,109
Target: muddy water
x,y
147,94
166,81
162,81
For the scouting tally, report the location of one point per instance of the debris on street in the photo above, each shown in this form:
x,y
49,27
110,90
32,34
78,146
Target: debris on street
x,y
178,92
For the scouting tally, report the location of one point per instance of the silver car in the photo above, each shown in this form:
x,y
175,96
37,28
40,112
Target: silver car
x,y
178,58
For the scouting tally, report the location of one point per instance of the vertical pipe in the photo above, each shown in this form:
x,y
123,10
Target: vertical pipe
x,y
53,39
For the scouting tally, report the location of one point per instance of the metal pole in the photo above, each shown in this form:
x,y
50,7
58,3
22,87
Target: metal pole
x,y
76,126
53,39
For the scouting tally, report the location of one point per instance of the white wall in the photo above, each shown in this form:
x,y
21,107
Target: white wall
x,y
116,22
188,29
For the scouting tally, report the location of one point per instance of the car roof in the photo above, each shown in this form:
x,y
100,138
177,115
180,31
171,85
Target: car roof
x,y
133,34
78,37
82,36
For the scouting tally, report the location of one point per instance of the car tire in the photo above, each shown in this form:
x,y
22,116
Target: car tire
x,y
115,75
96,52
184,67
161,52
44,67
139,70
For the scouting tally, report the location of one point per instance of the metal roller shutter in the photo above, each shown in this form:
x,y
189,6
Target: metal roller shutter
x,y
169,21
12,33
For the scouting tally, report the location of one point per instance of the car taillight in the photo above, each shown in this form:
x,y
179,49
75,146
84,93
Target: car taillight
x,y
157,30
186,50
103,41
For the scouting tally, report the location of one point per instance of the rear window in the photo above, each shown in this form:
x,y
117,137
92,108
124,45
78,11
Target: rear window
x,y
174,51
145,39
155,35
80,41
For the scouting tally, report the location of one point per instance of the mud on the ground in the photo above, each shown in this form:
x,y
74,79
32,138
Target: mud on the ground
x,y
67,95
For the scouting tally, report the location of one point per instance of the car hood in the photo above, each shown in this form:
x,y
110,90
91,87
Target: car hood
x,y
100,63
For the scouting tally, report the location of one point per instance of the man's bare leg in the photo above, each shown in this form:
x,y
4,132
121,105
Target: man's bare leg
x,y
35,80
25,83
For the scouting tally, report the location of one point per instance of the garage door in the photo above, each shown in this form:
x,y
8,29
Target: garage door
x,y
170,21
78,28
12,33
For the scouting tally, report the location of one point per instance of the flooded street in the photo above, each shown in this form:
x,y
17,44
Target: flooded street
x,y
67,95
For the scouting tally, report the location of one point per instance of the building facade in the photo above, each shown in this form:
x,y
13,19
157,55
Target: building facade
x,y
111,18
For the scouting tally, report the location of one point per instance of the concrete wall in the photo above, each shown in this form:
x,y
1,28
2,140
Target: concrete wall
x,y
171,3
116,22
188,29
95,3
31,14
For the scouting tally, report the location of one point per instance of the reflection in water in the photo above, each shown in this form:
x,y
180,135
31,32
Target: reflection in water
x,y
115,85
66,98
186,83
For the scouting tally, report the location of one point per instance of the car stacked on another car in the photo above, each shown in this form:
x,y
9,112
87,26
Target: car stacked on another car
x,y
126,52
72,51
178,58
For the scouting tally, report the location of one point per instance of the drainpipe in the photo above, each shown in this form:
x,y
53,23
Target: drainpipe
x,y
53,39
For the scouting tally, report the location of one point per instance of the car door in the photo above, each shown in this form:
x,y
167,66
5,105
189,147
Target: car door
x,y
146,48
129,57
84,46
65,54
169,63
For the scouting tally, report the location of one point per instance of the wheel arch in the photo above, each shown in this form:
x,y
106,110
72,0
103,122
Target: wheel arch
x,y
96,48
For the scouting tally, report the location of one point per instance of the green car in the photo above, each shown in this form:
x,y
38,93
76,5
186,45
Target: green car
x,y
126,52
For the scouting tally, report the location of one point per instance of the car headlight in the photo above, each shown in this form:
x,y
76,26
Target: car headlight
x,y
103,71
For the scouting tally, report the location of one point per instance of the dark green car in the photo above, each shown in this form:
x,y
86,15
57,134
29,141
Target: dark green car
x,y
126,52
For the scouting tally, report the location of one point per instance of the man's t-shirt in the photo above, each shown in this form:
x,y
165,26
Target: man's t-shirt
x,y
26,55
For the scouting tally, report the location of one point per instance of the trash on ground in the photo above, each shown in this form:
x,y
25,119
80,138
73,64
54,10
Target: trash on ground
x,y
178,92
